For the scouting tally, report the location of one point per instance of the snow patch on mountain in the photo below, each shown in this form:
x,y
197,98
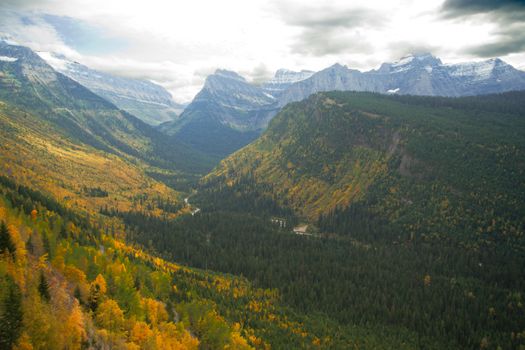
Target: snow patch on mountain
x,y
283,76
283,79
478,70
8,59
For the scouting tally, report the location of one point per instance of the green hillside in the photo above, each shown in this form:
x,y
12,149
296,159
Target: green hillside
x,y
30,84
431,166
414,205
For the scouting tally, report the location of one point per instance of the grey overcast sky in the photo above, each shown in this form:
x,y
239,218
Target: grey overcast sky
x,y
178,43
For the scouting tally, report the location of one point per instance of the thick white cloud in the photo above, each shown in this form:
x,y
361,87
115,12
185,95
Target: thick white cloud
x,y
177,43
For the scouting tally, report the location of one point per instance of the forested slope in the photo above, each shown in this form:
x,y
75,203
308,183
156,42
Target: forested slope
x,y
423,165
69,281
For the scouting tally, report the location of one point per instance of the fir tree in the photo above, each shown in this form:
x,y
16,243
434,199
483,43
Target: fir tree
x,y
11,318
47,244
94,297
6,244
43,287
63,232
30,245
77,294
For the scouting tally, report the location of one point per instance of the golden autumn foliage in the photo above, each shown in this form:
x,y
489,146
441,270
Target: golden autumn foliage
x,y
155,311
110,316
63,323
100,284
38,156
140,333
309,193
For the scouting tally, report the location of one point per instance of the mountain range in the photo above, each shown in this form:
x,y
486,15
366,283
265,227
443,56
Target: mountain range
x,y
76,140
229,112
142,98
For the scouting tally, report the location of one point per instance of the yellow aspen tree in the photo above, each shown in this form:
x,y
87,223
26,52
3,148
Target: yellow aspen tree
x,y
110,316
75,333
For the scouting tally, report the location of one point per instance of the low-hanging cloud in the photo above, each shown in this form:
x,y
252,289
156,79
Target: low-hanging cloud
x,y
403,48
178,44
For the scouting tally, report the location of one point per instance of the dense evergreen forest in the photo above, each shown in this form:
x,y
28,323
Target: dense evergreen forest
x,y
68,282
441,290
432,243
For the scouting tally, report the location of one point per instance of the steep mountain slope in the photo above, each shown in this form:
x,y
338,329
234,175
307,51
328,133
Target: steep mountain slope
x,y
29,83
65,283
225,115
76,174
424,165
141,98
414,208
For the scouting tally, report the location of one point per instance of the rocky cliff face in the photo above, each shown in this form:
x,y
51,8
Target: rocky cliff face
x,y
236,98
421,74
226,114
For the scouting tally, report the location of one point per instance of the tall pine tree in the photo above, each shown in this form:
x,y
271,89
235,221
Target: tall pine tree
x,y
43,287
6,244
11,317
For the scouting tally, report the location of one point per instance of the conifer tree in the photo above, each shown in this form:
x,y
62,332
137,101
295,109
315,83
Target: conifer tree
x,y
77,294
11,318
63,232
47,244
30,245
43,287
6,244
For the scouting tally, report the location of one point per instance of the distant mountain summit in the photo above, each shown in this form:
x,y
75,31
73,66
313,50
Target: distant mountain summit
x,y
283,79
225,115
232,92
409,62
418,74
228,105
148,101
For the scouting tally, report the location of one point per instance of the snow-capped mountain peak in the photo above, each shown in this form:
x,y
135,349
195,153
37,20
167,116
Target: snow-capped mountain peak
x,y
409,62
479,70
